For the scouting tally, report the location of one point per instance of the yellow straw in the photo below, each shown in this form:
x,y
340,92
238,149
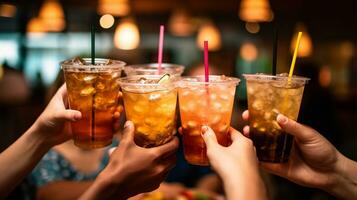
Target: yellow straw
x,y
294,56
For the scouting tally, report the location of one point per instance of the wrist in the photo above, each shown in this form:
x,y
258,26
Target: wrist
x,y
343,182
33,137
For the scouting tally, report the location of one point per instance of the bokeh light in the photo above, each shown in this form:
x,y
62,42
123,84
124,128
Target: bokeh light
x,y
106,21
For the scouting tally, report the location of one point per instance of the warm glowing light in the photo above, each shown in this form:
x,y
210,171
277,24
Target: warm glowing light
x,y
248,52
252,27
347,50
127,35
325,76
255,11
106,21
52,16
305,48
114,7
208,31
7,10
36,27
181,23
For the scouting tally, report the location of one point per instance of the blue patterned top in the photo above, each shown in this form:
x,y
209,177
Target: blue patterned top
x,y
55,167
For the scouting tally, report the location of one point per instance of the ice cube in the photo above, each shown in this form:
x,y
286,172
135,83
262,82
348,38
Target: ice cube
x,y
255,125
87,91
262,129
195,132
154,97
213,96
185,93
276,125
217,105
223,128
142,130
267,115
78,61
192,124
257,104
149,121
100,86
89,79
138,109
215,119
224,97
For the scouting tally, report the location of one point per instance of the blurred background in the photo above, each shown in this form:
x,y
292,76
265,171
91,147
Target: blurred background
x,y
36,35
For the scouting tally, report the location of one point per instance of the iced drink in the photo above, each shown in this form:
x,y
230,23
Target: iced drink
x,y
152,69
151,106
93,90
208,104
267,97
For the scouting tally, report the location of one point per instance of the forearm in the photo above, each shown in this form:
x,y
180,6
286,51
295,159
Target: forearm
x,y
245,185
55,190
19,159
344,184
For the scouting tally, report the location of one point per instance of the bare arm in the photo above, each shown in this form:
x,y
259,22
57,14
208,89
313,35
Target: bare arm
x,y
19,159
55,190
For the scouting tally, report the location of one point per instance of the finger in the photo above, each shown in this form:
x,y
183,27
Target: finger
x,y
246,131
128,132
180,130
235,135
118,111
166,149
245,115
301,132
209,137
68,115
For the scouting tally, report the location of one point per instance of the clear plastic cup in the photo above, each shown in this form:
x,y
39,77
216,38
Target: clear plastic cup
x,y
93,90
267,97
208,104
152,69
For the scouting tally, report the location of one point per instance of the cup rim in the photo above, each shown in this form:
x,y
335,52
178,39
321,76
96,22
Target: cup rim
x,y
115,65
146,67
260,76
189,80
123,81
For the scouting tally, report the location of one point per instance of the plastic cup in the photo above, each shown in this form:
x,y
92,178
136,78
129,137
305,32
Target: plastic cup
x,y
151,106
269,96
93,90
205,103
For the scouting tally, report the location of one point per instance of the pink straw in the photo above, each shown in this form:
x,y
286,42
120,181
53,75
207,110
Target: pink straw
x,y
161,45
206,61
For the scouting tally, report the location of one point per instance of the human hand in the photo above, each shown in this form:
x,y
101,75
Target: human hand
x,y
52,125
133,169
313,160
235,164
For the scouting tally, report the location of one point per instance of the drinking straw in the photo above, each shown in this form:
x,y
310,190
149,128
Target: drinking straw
x,y
161,45
294,56
275,49
92,43
205,47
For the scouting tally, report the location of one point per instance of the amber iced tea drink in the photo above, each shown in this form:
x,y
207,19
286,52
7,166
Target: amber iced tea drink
x,y
267,97
151,106
208,104
93,90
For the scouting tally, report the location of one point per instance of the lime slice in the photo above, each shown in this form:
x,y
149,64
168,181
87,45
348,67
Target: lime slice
x,y
164,79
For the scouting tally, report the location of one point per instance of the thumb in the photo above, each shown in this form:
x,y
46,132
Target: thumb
x,y
209,137
68,115
301,132
128,132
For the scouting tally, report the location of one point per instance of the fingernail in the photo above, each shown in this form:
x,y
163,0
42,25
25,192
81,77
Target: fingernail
x,y
77,116
126,125
282,119
204,129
